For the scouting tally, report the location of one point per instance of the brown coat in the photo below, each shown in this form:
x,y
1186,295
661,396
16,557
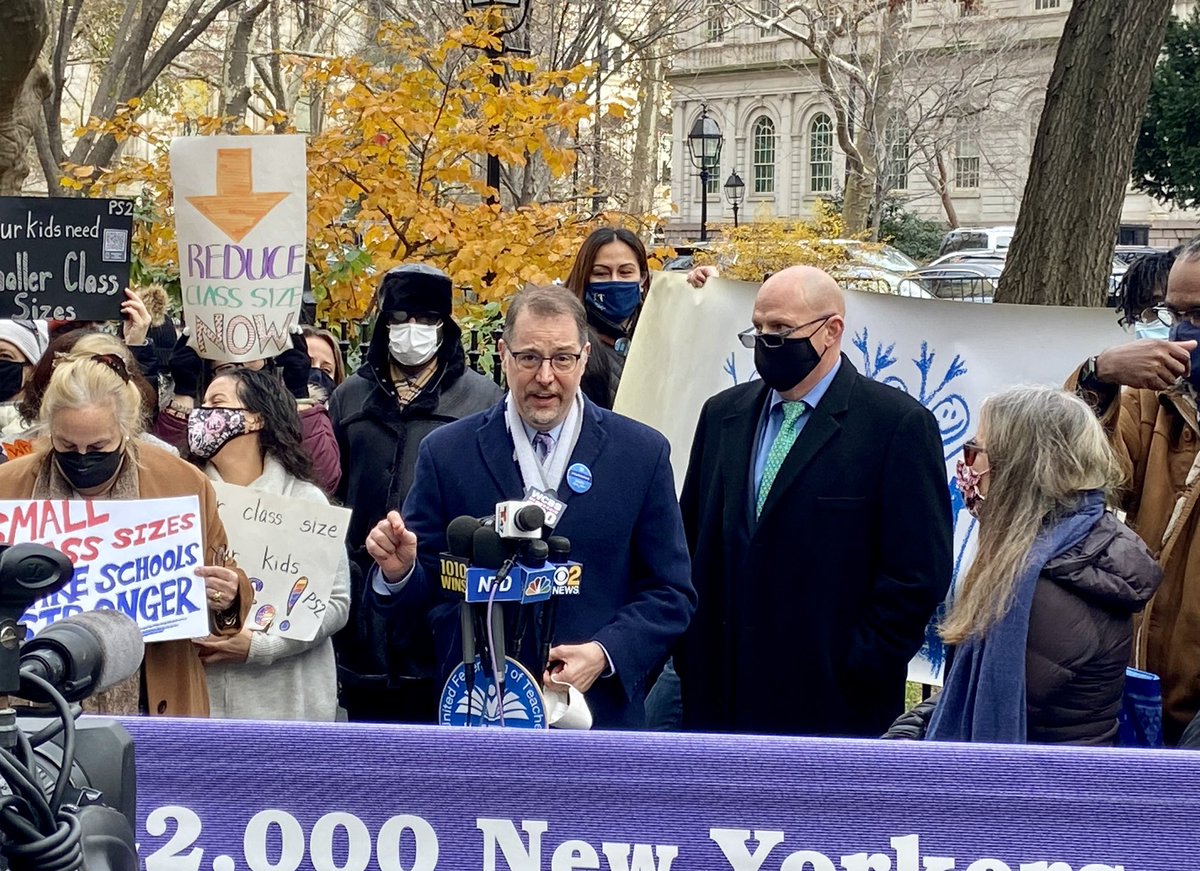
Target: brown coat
x,y
175,681
1157,438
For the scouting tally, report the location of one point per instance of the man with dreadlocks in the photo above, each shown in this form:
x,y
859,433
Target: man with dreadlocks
x,y
1142,287
1145,394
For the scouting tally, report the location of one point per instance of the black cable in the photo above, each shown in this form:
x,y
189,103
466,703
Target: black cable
x,y
27,757
51,732
60,851
17,812
24,783
40,835
68,756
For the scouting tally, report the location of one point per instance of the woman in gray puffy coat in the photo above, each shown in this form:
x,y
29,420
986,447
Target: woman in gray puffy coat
x,y
1043,619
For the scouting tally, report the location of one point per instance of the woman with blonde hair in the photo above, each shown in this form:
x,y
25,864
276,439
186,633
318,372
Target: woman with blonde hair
x,y
92,413
1043,619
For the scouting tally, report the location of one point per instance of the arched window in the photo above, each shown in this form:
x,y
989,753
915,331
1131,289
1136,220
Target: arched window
x,y
820,154
764,155
715,20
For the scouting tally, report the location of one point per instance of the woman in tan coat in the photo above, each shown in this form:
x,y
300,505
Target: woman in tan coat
x,y
91,415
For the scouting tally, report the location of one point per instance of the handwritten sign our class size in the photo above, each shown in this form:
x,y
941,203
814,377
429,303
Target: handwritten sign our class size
x,y
64,258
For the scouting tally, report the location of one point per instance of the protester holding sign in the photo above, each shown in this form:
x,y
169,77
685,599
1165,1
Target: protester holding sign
x,y
248,433
1043,619
93,413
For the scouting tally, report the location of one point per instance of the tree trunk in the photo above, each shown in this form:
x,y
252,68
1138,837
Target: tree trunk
x,y
940,180
1062,251
23,85
236,96
644,169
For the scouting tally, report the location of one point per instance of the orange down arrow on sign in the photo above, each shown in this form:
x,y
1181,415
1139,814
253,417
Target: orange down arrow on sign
x,y
236,209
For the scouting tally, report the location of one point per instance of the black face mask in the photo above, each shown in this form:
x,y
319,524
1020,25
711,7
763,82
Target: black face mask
x,y
92,469
321,380
784,367
12,379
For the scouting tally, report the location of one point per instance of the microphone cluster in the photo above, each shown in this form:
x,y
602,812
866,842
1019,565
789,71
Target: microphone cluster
x,y
504,559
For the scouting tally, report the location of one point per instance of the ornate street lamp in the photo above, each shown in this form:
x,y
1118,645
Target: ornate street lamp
x,y
735,190
704,146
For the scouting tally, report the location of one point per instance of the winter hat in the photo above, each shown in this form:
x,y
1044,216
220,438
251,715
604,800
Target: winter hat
x,y
415,287
29,337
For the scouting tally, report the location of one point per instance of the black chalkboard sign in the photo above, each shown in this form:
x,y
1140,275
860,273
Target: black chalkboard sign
x,y
63,258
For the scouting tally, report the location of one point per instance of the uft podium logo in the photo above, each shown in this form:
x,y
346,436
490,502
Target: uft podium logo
x,y
523,705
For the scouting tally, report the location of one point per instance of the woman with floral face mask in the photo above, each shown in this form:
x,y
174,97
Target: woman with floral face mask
x,y
248,433
92,413
1043,619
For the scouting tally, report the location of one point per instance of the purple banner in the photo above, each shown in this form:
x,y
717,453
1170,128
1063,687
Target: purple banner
x,y
233,796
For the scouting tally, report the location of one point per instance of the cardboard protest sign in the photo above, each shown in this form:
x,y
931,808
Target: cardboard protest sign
x,y
291,549
134,556
240,217
64,258
949,355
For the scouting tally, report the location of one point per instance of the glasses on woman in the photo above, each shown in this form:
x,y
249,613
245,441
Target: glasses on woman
x,y
971,452
562,362
750,337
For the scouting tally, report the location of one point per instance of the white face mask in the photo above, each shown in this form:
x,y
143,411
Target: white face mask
x,y
413,344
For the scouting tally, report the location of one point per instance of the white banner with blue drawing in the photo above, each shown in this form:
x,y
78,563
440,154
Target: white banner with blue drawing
x,y
948,354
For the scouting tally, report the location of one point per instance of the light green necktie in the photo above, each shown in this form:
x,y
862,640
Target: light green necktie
x,y
792,412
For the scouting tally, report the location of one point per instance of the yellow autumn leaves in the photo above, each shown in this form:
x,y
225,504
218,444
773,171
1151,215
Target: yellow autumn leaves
x,y
396,173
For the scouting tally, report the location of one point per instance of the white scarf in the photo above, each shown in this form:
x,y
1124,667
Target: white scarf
x,y
533,474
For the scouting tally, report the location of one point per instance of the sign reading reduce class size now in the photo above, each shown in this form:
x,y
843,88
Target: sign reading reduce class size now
x,y
63,258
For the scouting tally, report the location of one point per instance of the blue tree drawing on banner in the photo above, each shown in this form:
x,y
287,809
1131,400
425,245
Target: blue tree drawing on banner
x,y
730,367
953,415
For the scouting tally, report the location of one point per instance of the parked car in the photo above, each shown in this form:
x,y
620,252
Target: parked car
x,y
972,281
872,268
685,257
877,269
971,255
1129,253
977,238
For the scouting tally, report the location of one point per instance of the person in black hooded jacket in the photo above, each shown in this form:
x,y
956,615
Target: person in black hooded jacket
x,y
414,379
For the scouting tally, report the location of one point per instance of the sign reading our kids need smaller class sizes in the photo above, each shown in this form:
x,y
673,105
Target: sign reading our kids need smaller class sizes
x,y
63,258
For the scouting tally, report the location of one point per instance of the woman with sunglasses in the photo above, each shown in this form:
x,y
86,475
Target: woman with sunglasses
x,y
1043,619
92,413
248,433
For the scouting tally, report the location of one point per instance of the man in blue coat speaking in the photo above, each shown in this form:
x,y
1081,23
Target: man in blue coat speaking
x,y
621,515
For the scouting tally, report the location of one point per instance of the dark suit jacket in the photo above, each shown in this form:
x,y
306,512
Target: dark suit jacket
x,y
809,616
636,595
